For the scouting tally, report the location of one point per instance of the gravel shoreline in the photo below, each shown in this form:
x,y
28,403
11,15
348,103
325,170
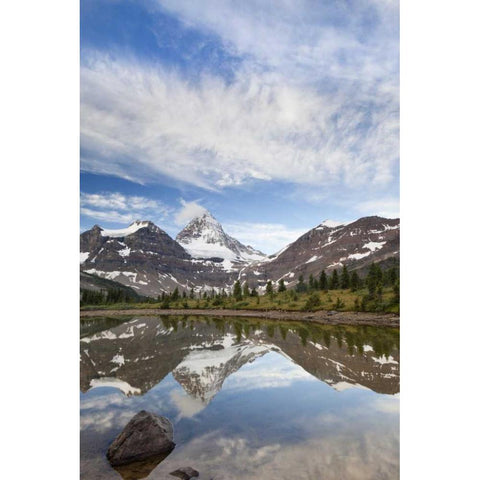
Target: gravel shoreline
x,y
323,316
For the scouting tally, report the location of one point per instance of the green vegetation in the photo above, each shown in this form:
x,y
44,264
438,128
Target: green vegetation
x,y
108,296
379,291
384,341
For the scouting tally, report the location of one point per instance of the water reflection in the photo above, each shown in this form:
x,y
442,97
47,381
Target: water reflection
x,y
247,398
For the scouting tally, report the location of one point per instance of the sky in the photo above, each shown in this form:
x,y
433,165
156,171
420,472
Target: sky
x,y
272,114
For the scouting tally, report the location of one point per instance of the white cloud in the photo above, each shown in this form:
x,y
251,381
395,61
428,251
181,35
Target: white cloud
x,y
188,211
270,371
387,404
384,207
146,123
331,37
117,207
187,406
267,237
108,215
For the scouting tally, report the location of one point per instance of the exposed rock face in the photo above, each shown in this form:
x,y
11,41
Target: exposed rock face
x,y
185,473
146,258
95,283
146,435
327,247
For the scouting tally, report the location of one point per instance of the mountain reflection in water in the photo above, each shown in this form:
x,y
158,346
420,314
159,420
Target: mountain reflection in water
x,y
247,398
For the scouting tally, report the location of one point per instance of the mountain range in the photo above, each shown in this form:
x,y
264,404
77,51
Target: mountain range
x,y
204,257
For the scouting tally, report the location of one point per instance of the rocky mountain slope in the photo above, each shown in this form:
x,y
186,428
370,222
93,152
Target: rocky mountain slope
x,y
147,259
326,247
204,257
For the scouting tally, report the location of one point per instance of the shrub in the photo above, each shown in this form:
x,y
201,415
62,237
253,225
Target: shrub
x,y
312,301
339,304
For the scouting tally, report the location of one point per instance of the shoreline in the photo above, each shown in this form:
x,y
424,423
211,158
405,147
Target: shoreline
x,y
322,316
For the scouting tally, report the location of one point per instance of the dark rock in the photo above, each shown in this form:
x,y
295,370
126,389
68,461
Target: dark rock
x,y
146,435
139,470
185,473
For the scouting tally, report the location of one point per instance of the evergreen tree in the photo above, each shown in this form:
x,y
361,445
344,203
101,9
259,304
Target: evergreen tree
x,y
192,293
356,304
237,291
391,275
323,281
254,293
354,281
301,287
396,292
246,290
175,295
345,278
310,282
281,286
269,288
374,278
333,281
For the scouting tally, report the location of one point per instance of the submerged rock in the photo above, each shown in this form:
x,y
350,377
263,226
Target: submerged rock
x,y
185,473
145,436
139,470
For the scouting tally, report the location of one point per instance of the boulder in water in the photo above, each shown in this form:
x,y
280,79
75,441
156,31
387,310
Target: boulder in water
x,y
185,473
146,435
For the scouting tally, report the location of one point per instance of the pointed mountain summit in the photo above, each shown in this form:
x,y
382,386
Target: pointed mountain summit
x,y
204,237
332,223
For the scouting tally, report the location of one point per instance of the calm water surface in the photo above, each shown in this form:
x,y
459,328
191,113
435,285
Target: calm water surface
x,y
247,398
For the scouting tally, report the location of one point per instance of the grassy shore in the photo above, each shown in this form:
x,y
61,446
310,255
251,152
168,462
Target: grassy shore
x,y
289,301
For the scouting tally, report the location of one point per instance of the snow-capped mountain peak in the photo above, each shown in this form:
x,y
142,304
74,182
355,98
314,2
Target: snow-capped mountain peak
x,y
331,223
204,237
124,232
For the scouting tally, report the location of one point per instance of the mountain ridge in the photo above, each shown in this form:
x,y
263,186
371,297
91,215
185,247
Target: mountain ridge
x,y
144,257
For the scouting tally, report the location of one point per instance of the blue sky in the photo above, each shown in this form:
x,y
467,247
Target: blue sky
x,y
274,115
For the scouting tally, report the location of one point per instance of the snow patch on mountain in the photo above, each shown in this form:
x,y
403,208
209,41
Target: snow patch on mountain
x,y
123,386
374,245
331,223
124,232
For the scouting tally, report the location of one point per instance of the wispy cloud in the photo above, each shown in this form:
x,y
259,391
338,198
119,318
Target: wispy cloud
x,y
314,100
268,237
117,207
385,207
304,39
144,123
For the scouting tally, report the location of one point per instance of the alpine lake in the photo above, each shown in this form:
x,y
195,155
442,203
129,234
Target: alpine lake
x,y
248,398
